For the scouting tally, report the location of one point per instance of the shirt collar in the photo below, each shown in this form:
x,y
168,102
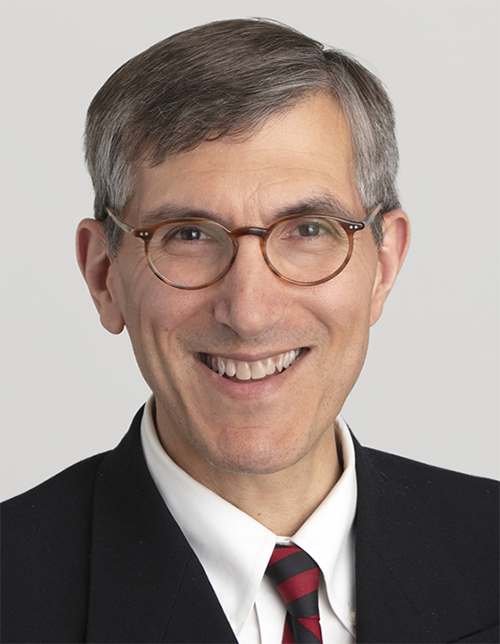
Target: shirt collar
x,y
328,535
234,549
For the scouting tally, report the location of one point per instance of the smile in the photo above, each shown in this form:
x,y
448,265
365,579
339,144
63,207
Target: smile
x,y
242,370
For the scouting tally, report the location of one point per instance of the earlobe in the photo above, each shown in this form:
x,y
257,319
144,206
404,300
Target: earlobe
x,y
95,265
390,259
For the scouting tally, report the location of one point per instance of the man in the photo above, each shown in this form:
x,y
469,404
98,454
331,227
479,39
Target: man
x,y
247,232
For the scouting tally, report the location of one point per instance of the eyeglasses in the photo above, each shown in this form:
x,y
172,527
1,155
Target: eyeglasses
x,y
194,253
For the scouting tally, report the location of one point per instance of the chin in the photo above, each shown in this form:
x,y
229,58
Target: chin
x,y
256,457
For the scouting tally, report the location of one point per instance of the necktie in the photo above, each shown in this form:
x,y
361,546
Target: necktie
x,y
296,576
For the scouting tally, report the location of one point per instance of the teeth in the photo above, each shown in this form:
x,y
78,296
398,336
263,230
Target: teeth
x,y
243,371
279,362
270,367
221,367
252,370
230,368
257,370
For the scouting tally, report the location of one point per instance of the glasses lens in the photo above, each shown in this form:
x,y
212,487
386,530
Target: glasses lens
x,y
308,249
190,254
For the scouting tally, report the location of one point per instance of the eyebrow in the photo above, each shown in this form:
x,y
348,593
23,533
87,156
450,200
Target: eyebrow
x,y
172,211
325,204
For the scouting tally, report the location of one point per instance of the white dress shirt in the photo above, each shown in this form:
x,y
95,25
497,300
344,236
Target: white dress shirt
x,y
234,549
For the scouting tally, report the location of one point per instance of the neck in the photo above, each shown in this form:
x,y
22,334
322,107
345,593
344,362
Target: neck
x,y
281,501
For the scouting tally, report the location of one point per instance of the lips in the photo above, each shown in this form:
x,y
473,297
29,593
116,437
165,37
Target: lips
x,y
243,370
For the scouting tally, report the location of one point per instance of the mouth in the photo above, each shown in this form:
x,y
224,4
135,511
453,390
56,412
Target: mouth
x,y
256,370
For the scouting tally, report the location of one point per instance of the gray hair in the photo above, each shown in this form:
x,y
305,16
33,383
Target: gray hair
x,y
224,79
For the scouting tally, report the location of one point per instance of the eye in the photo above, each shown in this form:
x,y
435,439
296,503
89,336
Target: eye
x,y
189,237
309,229
190,233
308,233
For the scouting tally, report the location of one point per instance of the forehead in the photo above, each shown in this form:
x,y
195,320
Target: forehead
x,y
303,154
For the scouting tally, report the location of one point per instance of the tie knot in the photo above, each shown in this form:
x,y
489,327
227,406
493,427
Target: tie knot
x,y
296,576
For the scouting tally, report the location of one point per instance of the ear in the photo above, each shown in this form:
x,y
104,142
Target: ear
x,y
96,267
396,230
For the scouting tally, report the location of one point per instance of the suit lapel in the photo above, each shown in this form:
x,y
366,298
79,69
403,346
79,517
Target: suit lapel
x,y
146,584
404,577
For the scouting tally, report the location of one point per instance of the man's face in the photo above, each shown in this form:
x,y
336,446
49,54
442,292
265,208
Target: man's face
x,y
268,424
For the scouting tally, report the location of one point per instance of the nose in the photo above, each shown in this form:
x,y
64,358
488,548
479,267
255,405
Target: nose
x,y
250,299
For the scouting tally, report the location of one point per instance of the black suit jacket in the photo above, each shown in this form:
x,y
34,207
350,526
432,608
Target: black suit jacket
x,y
93,555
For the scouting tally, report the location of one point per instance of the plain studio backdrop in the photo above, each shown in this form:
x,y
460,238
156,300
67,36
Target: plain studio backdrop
x,y
429,388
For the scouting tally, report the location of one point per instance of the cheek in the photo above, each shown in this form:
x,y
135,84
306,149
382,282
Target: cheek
x,y
156,316
344,304
344,311
150,327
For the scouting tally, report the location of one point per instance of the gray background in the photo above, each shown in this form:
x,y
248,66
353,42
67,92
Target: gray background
x,y
429,389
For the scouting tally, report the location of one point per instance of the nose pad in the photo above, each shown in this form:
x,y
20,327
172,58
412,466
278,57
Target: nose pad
x,y
251,298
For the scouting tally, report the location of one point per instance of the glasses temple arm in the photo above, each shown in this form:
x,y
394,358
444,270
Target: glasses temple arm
x,y
372,214
121,224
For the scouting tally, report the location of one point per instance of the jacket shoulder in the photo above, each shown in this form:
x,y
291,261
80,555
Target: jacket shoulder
x,y
437,532
45,545
461,494
460,510
52,505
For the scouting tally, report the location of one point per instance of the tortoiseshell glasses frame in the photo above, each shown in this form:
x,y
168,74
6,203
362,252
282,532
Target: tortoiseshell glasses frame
x,y
230,237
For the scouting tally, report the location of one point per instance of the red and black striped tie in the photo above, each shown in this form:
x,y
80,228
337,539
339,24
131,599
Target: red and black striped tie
x,y
296,576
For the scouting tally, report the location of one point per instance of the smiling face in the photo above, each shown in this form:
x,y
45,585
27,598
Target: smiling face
x,y
265,417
